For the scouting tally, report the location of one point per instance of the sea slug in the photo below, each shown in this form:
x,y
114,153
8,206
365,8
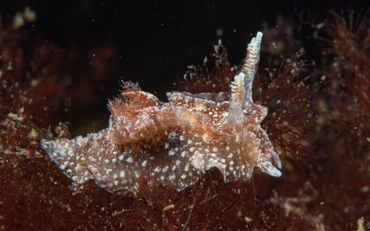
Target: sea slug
x,y
173,143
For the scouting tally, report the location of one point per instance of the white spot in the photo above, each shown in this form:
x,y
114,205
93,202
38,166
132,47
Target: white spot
x,y
78,167
122,174
198,161
144,163
183,153
230,155
171,153
206,137
130,159
120,157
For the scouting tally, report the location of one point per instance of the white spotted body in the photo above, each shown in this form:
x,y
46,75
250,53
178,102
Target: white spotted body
x,y
173,143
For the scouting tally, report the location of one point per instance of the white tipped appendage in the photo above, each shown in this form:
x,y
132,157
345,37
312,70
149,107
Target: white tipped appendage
x,y
250,65
241,87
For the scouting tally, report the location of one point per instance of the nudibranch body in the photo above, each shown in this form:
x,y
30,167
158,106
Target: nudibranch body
x,y
173,143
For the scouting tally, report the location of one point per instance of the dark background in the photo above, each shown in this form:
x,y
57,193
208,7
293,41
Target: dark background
x,y
157,39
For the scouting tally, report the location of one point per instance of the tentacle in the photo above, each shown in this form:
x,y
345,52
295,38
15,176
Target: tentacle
x,y
250,65
241,87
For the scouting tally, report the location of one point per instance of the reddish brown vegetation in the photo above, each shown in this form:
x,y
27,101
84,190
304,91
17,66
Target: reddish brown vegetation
x,y
324,122
214,76
43,77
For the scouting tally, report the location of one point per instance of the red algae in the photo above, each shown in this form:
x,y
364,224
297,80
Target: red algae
x,y
43,76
